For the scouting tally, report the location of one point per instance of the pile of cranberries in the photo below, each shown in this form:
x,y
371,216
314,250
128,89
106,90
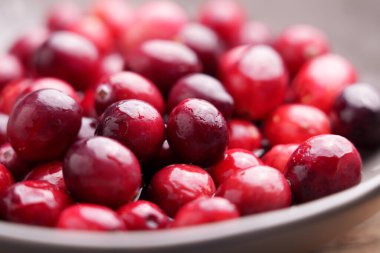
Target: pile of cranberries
x,y
122,118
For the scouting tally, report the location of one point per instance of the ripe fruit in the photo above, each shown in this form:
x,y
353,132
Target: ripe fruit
x,y
244,135
278,156
50,172
6,180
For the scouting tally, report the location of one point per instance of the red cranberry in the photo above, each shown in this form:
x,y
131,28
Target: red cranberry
x,y
197,132
88,104
49,130
322,79
176,185
243,134
163,62
135,124
50,172
235,160
11,93
205,210
205,43
255,33
90,217
101,171
143,215
95,31
257,82
203,87
6,180
112,64
25,46
295,123
155,20
9,158
225,17
3,128
10,69
323,165
87,128
62,15
356,115
256,190
127,85
69,57
33,203
298,44
278,156
229,59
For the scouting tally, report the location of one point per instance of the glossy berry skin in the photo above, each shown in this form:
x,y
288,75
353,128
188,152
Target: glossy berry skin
x,y
178,184
197,132
298,44
11,160
229,59
90,217
135,124
11,93
50,172
71,58
255,33
203,87
33,203
46,133
163,62
244,135
87,129
257,81
205,210
234,160
127,85
112,64
225,17
143,215
10,69
356,115
323,165
205,43
3,128
63,15
256,190
278,156
100,161
322,79
6,179
295,123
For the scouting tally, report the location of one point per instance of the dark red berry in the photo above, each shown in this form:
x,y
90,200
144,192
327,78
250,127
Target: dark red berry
x,y
62,15
50,172
278,156
112,64
6,180
11,93
9,158
87,128
10,69
244,135
255,33
101,171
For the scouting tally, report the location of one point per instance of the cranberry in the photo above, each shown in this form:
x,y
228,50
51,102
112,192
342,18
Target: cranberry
x,y
135,124
3,128
101,171
234,161
11,93
295,123
50,172
205,43
178,184
257,190
197,132
163,62
6,180
205,210
143,215
9,158
203,87
155,20
243,134
229,59
88,104
127,85
298,44
62,15
356,115
112,64
69,57
278,156
322,79
87,128
25,46
255,33
225,17
33,203
95,31
90,217
10,69
323,165
257,82
49,130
